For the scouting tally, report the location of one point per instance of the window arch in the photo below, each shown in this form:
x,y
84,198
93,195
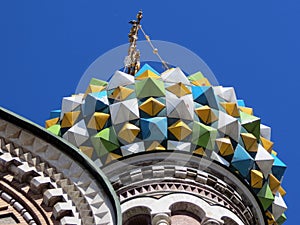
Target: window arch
x,y
186,213
138,215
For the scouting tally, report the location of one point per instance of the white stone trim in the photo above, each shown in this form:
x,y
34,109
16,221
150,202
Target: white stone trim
x,y
163,205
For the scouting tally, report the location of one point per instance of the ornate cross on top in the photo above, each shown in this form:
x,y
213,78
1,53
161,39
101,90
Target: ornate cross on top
x,y
132,60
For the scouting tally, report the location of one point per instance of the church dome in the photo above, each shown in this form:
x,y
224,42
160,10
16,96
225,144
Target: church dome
x,y
172,111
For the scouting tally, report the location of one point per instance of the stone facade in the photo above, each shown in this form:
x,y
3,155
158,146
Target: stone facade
x,y
42,183
181,188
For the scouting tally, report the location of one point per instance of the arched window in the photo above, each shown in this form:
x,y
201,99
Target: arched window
x,y
137,215
186,213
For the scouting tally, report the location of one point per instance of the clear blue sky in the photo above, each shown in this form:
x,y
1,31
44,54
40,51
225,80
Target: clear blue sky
x,y
251,45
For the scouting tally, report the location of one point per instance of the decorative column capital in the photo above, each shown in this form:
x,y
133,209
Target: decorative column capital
x,y
161,219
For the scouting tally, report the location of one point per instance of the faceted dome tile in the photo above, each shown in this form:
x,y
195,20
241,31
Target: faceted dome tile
x,y
179,89
225,146
265,196
242,161
120,79
250,142
152,106
129,132
180,130
98,120
105,141
204,136
231,108
69,119
206,114
147,74
154,128
124,111
121,93
149,87
256,179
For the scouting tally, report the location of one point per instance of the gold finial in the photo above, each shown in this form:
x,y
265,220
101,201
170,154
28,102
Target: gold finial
x,y
132,60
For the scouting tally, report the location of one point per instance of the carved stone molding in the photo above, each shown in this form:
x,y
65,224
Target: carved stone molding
x,y
180,204
47,172
160,174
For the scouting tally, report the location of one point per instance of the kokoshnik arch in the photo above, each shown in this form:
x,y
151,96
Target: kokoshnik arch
x,y
174,149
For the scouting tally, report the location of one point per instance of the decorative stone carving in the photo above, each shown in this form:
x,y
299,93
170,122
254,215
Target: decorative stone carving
x,y
152,180
161,219
51,181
